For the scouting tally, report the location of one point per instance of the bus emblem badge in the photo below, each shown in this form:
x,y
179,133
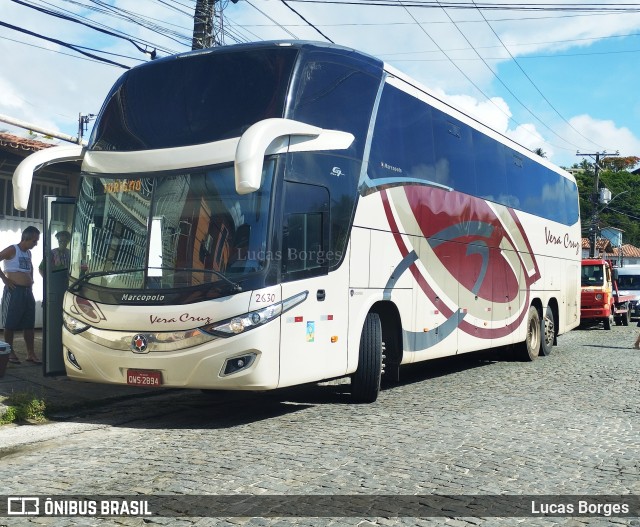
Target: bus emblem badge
x,y
139,343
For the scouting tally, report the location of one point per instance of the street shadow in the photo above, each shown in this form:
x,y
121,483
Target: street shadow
x,y
183,409
610,347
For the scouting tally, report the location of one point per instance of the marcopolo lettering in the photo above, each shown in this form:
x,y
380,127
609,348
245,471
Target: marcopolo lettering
x,y
142,298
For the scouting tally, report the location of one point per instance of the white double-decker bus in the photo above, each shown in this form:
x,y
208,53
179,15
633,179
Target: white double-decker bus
x,y
260,216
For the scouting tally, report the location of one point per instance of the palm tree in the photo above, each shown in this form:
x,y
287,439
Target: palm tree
x,y
540,152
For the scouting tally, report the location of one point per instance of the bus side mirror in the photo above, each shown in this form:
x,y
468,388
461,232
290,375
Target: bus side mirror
x,y
23,175
274,136
614,274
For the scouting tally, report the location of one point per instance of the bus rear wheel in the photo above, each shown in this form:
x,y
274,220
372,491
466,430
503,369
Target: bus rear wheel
x,y
548,333
365,382
530,348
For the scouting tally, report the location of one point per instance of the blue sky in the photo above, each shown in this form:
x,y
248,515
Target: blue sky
x,y
559,80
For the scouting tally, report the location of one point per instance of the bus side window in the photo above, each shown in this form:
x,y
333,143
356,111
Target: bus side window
x,y
305,231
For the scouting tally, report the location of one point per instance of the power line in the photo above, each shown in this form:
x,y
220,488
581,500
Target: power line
x,y
76,21
505,85
533,83
589,8
65,44
277,23
509,117
512,45
68,54
310,24
623,213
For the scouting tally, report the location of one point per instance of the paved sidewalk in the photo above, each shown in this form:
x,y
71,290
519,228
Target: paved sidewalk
x,y
61,395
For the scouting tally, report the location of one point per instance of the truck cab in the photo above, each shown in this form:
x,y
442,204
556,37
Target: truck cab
x,y
601,300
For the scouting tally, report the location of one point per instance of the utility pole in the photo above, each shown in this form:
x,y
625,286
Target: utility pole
x,y
595,200
83,125
203,24
208,25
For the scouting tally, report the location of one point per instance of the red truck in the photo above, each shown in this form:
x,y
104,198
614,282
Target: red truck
x,y
600,301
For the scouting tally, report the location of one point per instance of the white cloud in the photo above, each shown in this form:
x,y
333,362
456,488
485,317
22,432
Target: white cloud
x,y
608,135
51,89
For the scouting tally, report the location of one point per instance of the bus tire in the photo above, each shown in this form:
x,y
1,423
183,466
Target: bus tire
x,y
530,348
626,316
548,333
607,323
365,382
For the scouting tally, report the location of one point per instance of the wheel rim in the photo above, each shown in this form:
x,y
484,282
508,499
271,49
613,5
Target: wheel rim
x,y
549,331
534,335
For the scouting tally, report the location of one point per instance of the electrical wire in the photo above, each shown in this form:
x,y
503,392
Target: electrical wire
x,y
590,8
64,44
515,61
310,24
509,89
86,24
624,213
272,20
501,110
138,59
110,11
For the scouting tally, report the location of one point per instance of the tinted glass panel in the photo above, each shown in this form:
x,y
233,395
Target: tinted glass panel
x,y
193,99
538,190
305,230
173,232
402,145
571,202
304,247
454,153
490,169
414,140
340,176
335,96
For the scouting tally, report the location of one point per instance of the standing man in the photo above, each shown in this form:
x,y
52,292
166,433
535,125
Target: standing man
x,y
18,303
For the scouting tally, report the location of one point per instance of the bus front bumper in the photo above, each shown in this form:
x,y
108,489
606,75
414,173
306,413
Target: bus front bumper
x,y
248,361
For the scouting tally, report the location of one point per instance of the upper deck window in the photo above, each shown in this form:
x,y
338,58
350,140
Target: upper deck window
x,y
194,99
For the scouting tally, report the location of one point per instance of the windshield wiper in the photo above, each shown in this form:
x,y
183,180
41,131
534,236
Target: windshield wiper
x,y
236,286
88,276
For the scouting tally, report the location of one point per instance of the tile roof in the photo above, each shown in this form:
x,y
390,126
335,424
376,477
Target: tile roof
x,y
629,251
603,245
27,146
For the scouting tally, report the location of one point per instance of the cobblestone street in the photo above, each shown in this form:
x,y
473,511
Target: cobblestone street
x,y
567,424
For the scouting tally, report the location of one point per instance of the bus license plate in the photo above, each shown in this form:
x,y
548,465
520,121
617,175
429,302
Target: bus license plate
x,y
144,377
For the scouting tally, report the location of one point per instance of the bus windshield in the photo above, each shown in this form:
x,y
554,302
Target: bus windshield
x,y
187,230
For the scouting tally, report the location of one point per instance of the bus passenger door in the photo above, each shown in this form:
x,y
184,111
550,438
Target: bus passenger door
x,y
313,333
58,221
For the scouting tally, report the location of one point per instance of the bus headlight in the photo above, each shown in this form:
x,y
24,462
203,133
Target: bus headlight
x,y
253,319
73,325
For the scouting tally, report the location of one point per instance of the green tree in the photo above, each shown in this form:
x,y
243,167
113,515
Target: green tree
x,y
623,212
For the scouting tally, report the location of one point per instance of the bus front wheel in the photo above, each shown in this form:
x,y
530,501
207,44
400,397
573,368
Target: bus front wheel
x,y
365,382
530,348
